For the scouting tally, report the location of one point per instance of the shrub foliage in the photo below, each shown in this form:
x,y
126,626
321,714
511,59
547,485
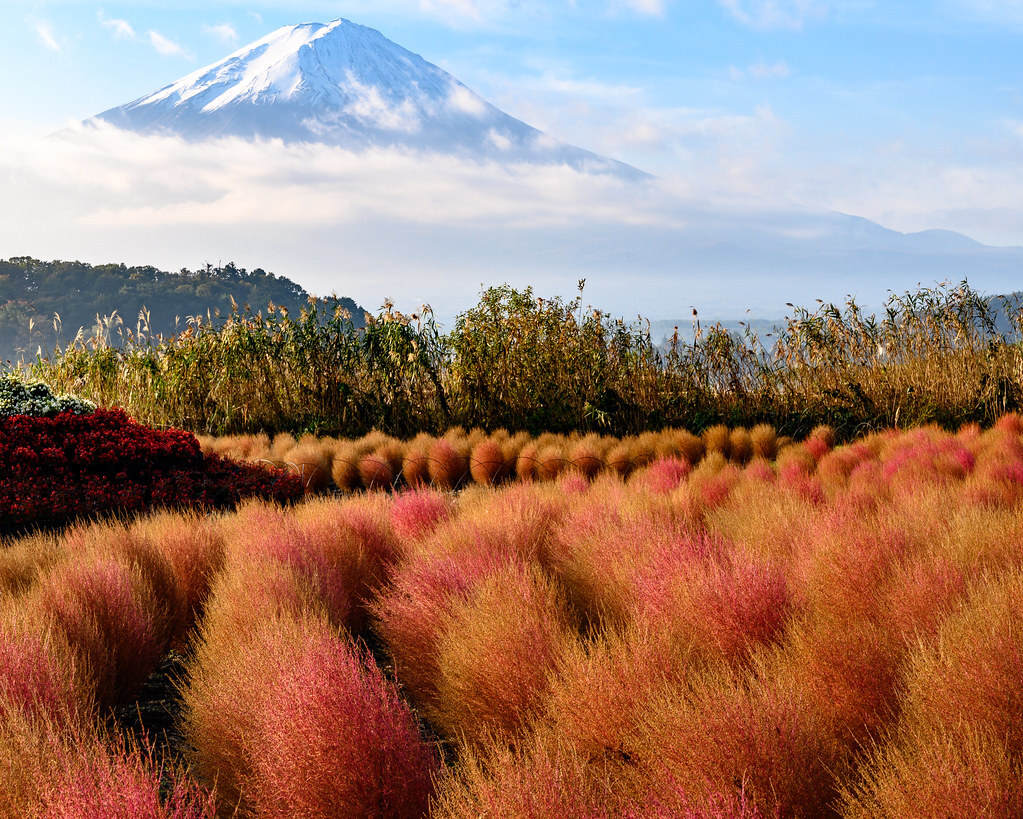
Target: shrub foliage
x,y
54,470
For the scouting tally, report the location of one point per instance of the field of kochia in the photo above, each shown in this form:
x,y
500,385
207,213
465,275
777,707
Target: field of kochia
x,y
732,626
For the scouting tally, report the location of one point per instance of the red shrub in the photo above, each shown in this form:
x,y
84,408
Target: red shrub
x,y
753,732
959,773
716,609
970,675
38,675
604,688
334,740
415,470
717,438
193,545
535,782
449,463
412,613
105,611
619,459
764,441
381,468
851,672
93,781
587,456
312,463
53,470
415,514
663,475
551,461
605,544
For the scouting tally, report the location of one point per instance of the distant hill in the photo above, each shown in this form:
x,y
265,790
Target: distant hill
x,y
33,292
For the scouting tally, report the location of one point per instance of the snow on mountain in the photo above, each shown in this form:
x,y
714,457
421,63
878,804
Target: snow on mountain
x,y
646,249
344,84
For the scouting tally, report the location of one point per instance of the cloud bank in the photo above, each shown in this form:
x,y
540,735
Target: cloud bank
x,y
434,228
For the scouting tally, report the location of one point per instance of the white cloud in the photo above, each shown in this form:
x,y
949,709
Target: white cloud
x,y
102,194
167,47
121,28
464,101
765,71
224,32
774,14
372,109
650,8
760,71
500,141
428,227
44,31
461,9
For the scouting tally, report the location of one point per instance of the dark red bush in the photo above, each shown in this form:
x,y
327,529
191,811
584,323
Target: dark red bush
x,y
54,470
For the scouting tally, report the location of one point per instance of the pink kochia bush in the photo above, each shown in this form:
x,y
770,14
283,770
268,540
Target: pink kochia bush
x,y
52,769
54,470
335,740
108,615
830,633
289,718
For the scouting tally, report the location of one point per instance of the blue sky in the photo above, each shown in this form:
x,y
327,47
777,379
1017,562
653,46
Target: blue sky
x,y
909,113
906,113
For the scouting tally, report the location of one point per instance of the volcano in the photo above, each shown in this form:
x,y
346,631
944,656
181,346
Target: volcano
x,y
345,84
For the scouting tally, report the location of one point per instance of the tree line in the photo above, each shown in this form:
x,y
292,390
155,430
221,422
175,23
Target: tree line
x,y
44,304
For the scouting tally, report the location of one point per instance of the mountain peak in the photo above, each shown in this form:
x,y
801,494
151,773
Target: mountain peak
x,y
345,84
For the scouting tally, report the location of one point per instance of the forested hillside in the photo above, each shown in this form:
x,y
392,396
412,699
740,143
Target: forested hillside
x,y
34,292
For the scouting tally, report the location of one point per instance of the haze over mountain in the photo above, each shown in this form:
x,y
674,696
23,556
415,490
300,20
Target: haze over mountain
x,y
348,85
351,165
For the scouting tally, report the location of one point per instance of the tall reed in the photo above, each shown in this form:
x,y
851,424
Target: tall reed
x,y
516,361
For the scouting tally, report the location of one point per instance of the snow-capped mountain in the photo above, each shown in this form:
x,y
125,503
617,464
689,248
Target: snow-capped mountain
x,y
344,84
